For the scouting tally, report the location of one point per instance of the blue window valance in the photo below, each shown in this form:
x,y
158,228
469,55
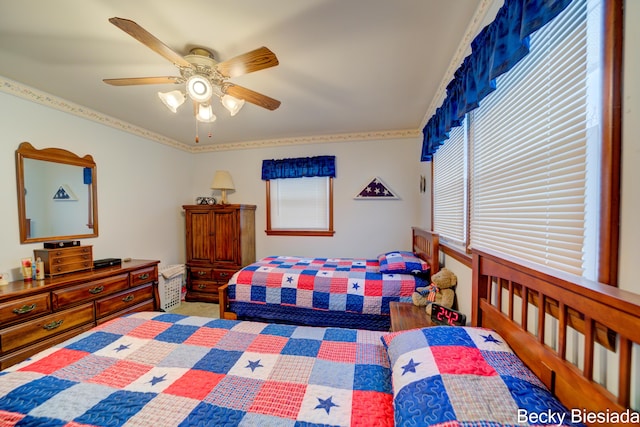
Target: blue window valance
x,y
494,51
299,167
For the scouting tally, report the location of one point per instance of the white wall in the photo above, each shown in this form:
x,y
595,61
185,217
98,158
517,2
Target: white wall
x,y
141,184
364,228
630,236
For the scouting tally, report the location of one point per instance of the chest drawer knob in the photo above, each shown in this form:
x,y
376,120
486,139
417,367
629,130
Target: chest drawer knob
x,y
128,298
53,325
96,290
24,309
201,273
144,276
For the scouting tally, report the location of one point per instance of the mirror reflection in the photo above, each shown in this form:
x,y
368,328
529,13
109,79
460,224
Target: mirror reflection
x,y
56,195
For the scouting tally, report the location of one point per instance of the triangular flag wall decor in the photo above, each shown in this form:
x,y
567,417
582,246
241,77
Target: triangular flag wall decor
x,y
376,189
64,193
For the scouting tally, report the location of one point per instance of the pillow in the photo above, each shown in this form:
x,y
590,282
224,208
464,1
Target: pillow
x,y
447,374
401,262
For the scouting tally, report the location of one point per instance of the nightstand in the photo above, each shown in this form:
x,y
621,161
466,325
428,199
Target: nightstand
x,y
405,315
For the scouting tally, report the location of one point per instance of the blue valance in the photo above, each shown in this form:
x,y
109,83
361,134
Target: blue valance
x,y
494,51
299,167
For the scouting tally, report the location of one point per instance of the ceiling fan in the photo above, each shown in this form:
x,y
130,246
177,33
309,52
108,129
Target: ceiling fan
x,y
201,74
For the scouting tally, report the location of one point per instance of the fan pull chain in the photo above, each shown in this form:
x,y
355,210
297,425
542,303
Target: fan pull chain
x,y
197,137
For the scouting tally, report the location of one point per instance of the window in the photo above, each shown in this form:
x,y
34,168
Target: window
x,y
299,196
300,206
450,189
534,153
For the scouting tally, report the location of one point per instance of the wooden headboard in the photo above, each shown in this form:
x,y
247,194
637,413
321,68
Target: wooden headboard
x,y
598,323
426,246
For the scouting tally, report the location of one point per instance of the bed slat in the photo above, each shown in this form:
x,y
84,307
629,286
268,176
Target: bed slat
x,y
599,313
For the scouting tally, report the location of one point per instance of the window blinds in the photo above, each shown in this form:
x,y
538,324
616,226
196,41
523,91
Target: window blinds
x,y
449,188
529,151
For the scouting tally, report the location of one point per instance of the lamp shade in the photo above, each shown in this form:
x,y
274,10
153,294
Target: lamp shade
x,y
222,181
172,99
232,104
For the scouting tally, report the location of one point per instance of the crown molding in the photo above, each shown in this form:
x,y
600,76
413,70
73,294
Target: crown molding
x,y
34,95
318,139
30,94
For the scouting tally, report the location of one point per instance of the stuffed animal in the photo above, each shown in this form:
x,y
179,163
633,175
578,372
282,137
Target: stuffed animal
x,y
441,291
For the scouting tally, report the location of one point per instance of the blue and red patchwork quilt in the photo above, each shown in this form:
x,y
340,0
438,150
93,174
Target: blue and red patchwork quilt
x,y
341,292
162,369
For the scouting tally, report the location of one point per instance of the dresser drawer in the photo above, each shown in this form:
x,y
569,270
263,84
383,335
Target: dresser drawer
x,y
142,276
25,308
32,331
123,300
223,276
204,286
89,291
201,273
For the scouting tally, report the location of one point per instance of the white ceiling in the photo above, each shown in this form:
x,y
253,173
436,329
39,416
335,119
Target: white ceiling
x,y
347,67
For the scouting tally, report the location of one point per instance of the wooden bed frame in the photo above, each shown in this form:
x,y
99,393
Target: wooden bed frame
x,y
507,293
424,243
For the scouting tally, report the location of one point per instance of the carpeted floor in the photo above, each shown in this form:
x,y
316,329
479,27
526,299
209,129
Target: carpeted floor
x,y
203,309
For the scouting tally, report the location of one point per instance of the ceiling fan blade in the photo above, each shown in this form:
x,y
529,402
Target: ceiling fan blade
x,y
143,81
250,96
149,40
249,62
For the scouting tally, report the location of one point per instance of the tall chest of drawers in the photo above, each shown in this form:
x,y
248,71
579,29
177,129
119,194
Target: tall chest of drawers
x,y
220,240
38,314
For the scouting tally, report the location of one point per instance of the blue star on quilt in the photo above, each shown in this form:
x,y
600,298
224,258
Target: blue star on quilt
x,y
491,338
254,364
410,367
325,404
355,286
122,347
156,380
289,279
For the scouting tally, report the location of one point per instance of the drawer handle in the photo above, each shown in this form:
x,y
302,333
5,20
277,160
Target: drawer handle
x,y
201,286
24,309
224,274
143,276
96,290
202,273
53,325
128,298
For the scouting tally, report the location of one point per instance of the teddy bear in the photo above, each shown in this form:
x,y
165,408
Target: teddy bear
x,y
441,291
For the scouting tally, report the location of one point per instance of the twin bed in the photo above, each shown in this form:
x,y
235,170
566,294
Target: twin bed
x,y
337,292
162,369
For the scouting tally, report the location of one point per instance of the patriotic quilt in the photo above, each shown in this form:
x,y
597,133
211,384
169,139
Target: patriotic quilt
x,y
162,369
338,292
462,376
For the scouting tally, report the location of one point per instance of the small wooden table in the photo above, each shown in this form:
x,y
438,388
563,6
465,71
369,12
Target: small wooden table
x,y
405,315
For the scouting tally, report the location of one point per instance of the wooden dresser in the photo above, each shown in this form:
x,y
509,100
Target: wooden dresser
x,y
220,240
38,314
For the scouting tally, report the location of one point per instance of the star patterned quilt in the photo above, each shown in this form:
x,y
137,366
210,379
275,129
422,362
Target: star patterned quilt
x,y
162,369
463,376
338,292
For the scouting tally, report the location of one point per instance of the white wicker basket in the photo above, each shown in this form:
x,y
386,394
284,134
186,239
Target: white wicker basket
x,y
171,280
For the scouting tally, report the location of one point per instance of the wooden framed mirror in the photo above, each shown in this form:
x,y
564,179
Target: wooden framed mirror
x,y
57,195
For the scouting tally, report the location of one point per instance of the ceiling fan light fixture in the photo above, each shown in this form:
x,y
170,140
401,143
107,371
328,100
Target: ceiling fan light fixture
x,y
205,114
232,104
172,100
199,88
